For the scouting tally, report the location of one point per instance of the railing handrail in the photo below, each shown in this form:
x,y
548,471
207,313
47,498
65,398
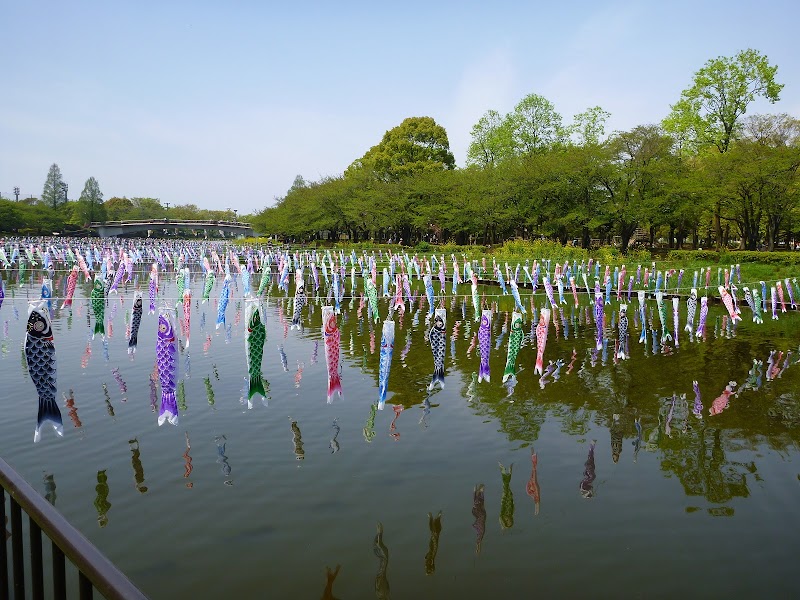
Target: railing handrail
x,y
104,575
169,221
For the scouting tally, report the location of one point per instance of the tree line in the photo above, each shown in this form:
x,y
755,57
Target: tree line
x,y
708,174
54,212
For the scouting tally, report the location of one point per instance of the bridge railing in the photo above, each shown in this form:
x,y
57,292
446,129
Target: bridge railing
x,y
95,571
173,222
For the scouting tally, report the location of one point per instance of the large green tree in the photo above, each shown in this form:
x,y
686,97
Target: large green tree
x,y
756,182
89,206
53,192
589,127
118,209
417,145
491,140
147,208
644,159
710,110
535,126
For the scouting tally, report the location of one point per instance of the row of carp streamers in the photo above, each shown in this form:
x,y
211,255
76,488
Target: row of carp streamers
x,y
40,351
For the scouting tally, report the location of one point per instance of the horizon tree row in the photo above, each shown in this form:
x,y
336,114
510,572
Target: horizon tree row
x,y
707,174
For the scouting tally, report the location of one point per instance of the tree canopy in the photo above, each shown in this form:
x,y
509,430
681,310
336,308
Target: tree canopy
x,y
52,194
415,146
710,109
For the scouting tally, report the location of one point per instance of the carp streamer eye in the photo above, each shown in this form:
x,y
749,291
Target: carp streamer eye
x,y
39,326
162,328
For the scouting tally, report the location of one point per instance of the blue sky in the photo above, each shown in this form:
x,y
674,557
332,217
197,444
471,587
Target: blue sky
x,y
222,104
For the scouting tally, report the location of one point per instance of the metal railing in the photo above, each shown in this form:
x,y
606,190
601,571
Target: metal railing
x,y
174,222
95,571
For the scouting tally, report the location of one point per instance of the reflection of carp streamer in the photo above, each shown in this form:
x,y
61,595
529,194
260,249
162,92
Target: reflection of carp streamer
x,y
435,525
188,462
382,552
533,483
479,512
299,453
138,469
398,408
101,503
69,401
507,500
50,489
369,427
588,474
222,459
330,576
616,438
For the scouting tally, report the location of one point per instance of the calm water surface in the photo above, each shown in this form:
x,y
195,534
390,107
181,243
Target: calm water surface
x,y
256,499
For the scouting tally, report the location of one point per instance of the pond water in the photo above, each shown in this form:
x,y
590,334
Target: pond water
x,y
433,496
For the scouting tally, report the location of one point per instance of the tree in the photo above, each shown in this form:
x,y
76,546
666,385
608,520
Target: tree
x,y
709,111
779,130
417,145
53,194
147,208
90,204
589,126
535,126
118,209
10,215
757,180
491,141
644,159
298,184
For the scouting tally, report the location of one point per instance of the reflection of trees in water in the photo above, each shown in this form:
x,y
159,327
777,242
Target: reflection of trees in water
x,y
586,398
698,461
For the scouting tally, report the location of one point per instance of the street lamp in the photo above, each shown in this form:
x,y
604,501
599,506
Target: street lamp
x,y
235,215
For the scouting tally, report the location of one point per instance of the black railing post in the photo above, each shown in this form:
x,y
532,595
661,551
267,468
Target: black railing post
x,y
18,561
95,571
59,574
3,551
84,587
37,575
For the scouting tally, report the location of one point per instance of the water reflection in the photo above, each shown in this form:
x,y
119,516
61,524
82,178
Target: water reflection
x,y
704,470
435,527
187,462
72,410
334,443
50,488
393,433
507,499
297,440
101,503
330,577
586,488
222,459
369,427
479,512
136,463
382,552
533,483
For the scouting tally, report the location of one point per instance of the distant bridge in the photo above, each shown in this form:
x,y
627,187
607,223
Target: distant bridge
x,y
116,228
